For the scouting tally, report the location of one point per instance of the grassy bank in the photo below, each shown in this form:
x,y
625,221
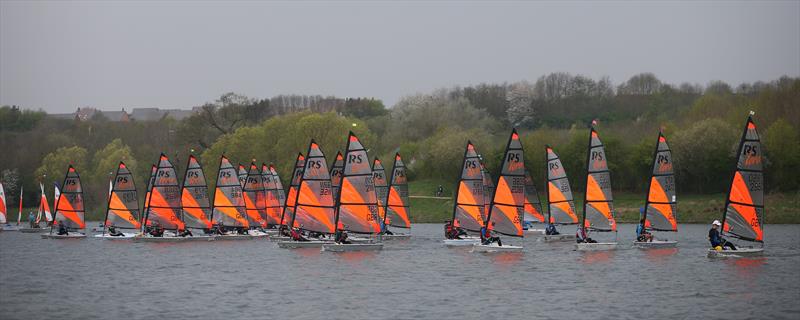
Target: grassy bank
x,y
692,208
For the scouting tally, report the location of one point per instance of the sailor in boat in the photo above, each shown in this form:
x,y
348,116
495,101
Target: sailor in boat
x,y
581,236
112,231
385,229
241,230
157,230
717,242
487,238
297,235
62,230
641,233
550,230
185,232
341,237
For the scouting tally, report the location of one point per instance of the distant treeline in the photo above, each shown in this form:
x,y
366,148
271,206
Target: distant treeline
x,y
702,125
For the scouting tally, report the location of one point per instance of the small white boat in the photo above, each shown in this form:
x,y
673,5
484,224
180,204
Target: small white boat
x,y
494,247
534,231
302,244
655,244
73,235
337,247
462,242
738,253
559,238
257,233
124,236
597,246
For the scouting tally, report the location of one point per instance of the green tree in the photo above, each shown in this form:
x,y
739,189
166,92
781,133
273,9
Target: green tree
x,y
782,147
704,156
55,164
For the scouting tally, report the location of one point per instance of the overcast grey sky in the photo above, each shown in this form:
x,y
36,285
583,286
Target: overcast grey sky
x,y
60,55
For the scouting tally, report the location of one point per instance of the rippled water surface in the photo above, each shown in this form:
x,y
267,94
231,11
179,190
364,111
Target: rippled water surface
x,y
416,278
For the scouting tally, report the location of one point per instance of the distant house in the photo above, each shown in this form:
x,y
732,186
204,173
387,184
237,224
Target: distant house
x,y
155,114
137,114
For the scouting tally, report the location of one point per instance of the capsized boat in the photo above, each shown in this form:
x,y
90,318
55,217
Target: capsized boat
x,y
396,205
743,217
507,206
660,209
195,203
315,210
255,200
164,208
291,197
560,202
357,203
69,209
533,207
468,209
598,204
122,210
229,215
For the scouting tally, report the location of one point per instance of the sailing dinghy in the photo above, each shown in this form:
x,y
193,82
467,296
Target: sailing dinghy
x,y
533,207
69,209
289,200
122,210
164,206
255,197
195,204
468,209
315,209
42,212
743,217
3,210
229,215
560,203
357,203
660,209
507,206
396,204
598,205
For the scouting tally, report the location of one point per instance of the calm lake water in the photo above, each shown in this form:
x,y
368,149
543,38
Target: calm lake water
x,y
417,278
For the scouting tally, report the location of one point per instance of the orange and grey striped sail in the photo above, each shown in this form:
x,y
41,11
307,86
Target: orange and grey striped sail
x,y
488,191
229,209
598,206
744,209
123,203
468,209
195,204
255,197
315,209
145,210
291,197
164,205
242,174
381,187
560,204
397,202
272,200
508,202
533,206
69,208
336,173
660,211
357,209
281,191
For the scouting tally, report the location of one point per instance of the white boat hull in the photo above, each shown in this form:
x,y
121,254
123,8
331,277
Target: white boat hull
x,y
302,244
124,236
66,236
534,231
461,242
279,238
396,236
491,248
559,238
33,230
235,237
336,247
598,246
739,253
655,244
158,239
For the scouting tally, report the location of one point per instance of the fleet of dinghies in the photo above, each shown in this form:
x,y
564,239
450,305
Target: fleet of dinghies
x,y
350,204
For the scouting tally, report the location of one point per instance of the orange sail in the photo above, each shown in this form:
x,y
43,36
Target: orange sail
x,y
336,173
660,206
468,209
242,175
381,187
272,199
281,191
598,208
560,204
255,198
533,206
123,203
229,208
397,202
44,207
153,169
488,191
508,202
744,209
70,210
291,197
358,201
194,196
164,205
315,210
3,210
